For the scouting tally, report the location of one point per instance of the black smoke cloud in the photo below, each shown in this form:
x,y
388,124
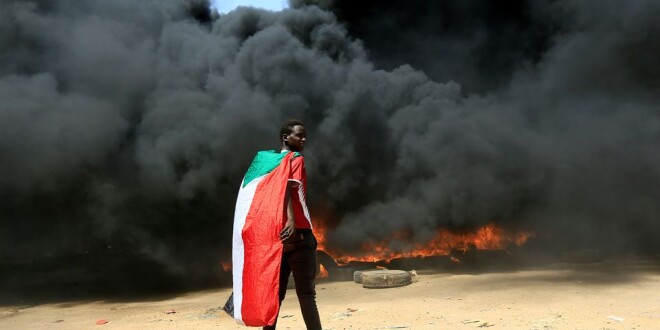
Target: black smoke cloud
x,y
562,142
477,43
126,126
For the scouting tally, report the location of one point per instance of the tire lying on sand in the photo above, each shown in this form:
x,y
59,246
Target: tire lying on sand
x,y
377,279
357,275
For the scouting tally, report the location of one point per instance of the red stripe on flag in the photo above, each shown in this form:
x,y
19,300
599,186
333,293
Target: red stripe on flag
x,y
263,249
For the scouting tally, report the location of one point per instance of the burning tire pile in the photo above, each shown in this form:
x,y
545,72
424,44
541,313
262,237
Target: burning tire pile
x,y
364,273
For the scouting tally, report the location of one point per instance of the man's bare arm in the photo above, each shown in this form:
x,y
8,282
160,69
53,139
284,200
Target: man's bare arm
x,y
290,224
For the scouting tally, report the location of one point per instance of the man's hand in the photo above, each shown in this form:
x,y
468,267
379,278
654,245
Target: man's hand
x,y
287,231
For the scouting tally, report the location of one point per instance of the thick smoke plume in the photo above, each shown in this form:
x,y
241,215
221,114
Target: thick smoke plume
x,y
477,43
562,141
125,126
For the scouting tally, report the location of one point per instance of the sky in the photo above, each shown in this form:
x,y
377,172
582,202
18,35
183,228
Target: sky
x,y
225,6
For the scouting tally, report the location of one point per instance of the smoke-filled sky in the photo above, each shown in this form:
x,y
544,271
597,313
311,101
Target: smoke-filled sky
x,y
126,126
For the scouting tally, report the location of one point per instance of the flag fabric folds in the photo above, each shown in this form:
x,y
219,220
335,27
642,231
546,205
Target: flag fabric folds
x,y
256,247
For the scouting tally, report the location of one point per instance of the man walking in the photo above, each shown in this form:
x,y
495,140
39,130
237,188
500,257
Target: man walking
x,y
273,235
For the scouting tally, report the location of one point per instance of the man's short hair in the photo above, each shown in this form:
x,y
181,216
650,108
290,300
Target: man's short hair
x,y
288,125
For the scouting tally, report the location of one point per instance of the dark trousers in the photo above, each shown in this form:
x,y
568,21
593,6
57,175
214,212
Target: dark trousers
x,y
301,261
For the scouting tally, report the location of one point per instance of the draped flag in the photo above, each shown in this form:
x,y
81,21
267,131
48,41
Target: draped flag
x,y
256,247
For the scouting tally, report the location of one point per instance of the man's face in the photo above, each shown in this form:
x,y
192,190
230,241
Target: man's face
x,y
296,140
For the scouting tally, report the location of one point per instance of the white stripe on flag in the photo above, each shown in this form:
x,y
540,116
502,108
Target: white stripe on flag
x,y
243,204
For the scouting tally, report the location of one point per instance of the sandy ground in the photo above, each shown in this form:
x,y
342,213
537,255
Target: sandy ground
x,y
608,295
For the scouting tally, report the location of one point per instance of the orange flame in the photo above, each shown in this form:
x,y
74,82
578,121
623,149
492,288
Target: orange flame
x,y
323,272
489,237
226,266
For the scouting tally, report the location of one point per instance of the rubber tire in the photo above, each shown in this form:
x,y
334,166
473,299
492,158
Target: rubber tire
x,y
357,275
323,258
378,279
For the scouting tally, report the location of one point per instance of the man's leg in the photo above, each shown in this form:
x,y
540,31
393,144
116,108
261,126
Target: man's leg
x,y
303,265
285,271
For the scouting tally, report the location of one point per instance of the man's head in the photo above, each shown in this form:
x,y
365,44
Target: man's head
x,y
292,135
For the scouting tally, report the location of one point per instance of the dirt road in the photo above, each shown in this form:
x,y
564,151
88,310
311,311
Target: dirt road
x,y
608,295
